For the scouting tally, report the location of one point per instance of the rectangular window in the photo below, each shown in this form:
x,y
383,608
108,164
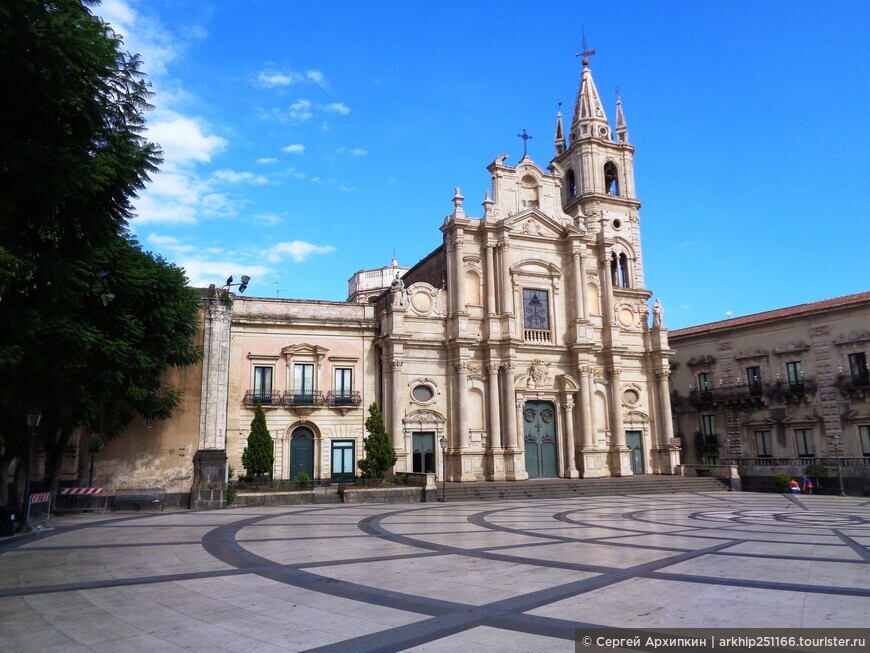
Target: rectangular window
x,y
858,369
753,379
303,384
804,439
342,394
762,444
865,439
795,374
263,384
709,423
705,382
708,426
342,459
536,309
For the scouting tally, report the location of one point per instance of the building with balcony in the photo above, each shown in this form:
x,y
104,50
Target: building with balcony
x,y
778,390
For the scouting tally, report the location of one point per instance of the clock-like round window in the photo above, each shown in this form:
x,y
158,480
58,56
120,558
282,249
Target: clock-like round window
x,y
422,393
630,396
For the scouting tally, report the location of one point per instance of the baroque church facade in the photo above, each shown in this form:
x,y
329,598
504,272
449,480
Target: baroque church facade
x,y
523,344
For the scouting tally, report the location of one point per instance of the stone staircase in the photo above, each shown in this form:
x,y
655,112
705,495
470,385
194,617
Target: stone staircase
x,y
560,488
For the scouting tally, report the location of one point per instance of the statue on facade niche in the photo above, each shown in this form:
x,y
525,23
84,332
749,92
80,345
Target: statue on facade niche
x,y
538,374
658,312
397,285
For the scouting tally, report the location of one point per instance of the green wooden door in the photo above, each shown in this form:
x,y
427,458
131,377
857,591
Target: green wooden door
x,y
301,453
423,447
634,441
539,438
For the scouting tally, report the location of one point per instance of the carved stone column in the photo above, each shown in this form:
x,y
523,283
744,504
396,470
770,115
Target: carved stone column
x,y
579,286
668,456
587,436
606,278
495,433
568,412
458,290
490,281
459,397
396,431
507,292
620,461
509,401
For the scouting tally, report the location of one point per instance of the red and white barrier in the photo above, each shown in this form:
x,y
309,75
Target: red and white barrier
x,y
79,491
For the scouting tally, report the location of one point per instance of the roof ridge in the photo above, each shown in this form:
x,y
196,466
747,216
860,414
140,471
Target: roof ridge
x,y
789,311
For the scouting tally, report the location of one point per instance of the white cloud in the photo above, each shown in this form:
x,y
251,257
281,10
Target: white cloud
x,y
276,78
169,244
267,159
298,250
295,148
300,110
201,272
356,151
183,140
233,177
269,219
338,107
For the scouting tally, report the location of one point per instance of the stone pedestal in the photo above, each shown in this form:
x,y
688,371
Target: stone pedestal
x,y
209,491
666,460
595,463
620,461
515,465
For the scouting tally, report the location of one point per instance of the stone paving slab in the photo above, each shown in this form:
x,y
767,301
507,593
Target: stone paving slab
x,y
509,576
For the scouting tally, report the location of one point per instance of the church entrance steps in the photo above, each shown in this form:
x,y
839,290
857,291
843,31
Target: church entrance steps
x,y
567,488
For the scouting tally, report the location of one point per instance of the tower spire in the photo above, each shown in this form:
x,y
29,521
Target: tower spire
x,y
621,127
559,140
589,119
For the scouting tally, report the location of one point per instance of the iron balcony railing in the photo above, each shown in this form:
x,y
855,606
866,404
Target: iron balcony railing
x,y
303,398
264,397
352,398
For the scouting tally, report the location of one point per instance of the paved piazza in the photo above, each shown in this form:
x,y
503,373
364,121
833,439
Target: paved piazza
x,y
510,576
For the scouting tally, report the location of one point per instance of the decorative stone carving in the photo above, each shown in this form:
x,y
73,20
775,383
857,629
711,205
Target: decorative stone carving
x,y
538,374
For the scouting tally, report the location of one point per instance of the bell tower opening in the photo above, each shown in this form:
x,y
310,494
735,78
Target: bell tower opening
x,y
611,179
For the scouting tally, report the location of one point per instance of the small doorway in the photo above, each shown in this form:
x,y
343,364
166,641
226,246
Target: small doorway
x,y
301,453
634,441
342,460
539,439
423,447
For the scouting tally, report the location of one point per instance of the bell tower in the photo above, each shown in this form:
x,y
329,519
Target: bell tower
x,y
598,178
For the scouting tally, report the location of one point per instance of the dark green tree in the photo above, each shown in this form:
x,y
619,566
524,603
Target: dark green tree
x,y
258,456
380,455
89,323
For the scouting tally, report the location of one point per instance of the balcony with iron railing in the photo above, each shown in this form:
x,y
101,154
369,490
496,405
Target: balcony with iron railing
x,y
791,391
263,397
343,399
306,398
853,386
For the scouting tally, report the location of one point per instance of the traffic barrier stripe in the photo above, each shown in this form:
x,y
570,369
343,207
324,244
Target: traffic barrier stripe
x,y
41,497
80,490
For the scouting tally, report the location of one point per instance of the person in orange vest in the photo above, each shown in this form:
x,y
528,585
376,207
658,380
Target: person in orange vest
x,y
795,488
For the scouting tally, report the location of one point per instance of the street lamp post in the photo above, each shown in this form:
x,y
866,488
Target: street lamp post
x,y
443,443
34,416
728,462
839,468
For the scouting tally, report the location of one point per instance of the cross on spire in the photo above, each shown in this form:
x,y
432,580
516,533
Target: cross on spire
x,y
525,138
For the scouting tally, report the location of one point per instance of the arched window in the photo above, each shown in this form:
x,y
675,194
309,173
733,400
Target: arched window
x,y
619,271
611,179
624,280
570,185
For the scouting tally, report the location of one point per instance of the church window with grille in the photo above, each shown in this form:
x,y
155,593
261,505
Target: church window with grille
x,y
536,314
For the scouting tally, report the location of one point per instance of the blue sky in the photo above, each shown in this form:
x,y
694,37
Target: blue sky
x,y
307,140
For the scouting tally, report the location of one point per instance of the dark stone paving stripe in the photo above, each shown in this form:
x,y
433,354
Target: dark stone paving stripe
x,y
120,582
759,584
852,544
